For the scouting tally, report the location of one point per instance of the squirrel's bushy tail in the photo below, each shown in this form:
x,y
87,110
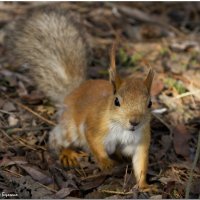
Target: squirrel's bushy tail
x,y
54,46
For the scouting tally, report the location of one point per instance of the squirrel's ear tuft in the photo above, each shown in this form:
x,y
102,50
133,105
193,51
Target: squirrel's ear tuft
x,y
149,79
114,77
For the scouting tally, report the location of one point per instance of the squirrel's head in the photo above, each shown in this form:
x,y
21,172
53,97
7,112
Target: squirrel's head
x,y
131,101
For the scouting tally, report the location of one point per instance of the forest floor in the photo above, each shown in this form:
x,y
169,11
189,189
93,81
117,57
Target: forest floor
x,y
165,36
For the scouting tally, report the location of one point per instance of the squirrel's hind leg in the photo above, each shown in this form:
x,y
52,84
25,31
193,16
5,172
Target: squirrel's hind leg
x,y
61,142
58,139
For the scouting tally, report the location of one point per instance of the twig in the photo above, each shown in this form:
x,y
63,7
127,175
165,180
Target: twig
x,y
125,177
24,143
30,110
20,140
84,174
48,188
34,113
5,112
116,192
91,176
14,130
186,94
193,167
14,173
6,135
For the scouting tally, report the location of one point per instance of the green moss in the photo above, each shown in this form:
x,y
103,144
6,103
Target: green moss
x,y
184,66
164,51
128,60
174,57
103,72
123,57
178,85
136,58
194,62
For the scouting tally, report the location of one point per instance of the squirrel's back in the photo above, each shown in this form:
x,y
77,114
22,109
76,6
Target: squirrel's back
x,y
54,45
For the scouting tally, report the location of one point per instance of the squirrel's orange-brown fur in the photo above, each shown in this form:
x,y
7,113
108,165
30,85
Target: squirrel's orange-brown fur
x,y
98,116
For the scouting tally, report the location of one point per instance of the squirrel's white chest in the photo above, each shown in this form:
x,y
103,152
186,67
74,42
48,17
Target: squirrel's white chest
x,y
126,140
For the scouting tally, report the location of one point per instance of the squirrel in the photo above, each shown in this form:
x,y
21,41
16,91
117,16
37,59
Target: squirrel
x,y
99,116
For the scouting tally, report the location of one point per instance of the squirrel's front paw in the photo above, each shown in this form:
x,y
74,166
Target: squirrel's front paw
x,y
144,187
70,158
106,164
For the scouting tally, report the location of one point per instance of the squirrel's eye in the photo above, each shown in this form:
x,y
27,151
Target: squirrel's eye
x,y
150,104
117,102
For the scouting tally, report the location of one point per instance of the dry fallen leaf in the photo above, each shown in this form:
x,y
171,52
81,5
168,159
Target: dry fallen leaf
x,y
50,110
184,45
93,183
5,162
156,197
35,97
157,87
63,193
26,187
13,120
181,140
8,106
36,174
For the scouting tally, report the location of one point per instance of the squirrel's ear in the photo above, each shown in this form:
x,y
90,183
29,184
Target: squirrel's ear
x,y
114,77
149,79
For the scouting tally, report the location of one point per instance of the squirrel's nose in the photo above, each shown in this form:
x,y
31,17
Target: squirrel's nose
x,y
133,122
